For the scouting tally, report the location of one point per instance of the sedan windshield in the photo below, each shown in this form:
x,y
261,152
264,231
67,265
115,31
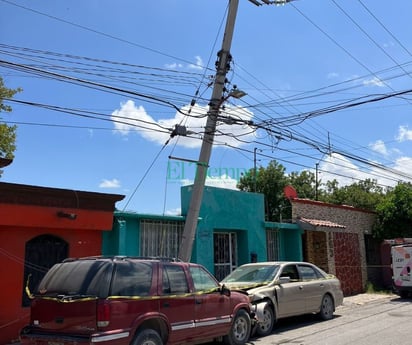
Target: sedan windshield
x,y
252,274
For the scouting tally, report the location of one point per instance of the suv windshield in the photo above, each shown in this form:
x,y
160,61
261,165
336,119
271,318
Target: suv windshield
x,y
77,278
252,274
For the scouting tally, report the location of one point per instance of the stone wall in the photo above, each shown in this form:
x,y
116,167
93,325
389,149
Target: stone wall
x,y
344,246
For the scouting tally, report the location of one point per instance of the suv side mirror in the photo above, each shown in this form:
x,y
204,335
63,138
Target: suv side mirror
x,y
225,291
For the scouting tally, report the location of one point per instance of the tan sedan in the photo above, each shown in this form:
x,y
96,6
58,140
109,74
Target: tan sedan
x,y
283,289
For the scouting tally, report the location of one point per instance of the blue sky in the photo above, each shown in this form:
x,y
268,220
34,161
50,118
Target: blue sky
x,y
105,82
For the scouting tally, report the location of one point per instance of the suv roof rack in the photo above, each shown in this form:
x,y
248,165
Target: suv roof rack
x,y
125,257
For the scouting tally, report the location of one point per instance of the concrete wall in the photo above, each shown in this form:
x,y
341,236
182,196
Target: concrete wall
x,y
225,210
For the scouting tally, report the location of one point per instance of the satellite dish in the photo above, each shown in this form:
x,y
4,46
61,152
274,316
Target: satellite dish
x,y
290,192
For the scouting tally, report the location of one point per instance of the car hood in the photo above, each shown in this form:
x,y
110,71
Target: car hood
x,y
250,288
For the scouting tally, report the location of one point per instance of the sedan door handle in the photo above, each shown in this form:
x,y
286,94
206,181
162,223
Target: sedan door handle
x,y
301,287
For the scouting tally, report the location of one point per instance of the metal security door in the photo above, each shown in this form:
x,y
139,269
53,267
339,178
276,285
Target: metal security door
x,y
225,253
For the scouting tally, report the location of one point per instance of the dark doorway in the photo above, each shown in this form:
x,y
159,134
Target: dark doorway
x,y
41,253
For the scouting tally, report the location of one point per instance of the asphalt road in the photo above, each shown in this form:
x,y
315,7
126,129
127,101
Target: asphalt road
x,y
362,320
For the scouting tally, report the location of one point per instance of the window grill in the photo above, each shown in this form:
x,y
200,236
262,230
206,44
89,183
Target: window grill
x,y
160,238
273,245
225,254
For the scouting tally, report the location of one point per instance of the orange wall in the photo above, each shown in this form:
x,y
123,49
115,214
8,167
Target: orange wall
x,y
46,217
19,224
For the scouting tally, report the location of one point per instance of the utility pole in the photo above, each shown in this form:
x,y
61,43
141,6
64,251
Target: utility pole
x,y
316,182
222,65
255,169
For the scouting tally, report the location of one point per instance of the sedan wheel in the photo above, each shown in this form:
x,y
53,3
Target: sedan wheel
x,y
266,325
326,308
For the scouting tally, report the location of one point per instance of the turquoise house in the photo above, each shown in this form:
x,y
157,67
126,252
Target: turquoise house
x,y
231,231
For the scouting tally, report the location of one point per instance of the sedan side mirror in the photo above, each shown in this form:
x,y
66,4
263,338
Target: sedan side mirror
x,y
284,280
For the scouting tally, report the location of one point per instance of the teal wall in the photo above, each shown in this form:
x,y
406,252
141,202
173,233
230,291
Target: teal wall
x,y
222,210
290,238
225,210
124,239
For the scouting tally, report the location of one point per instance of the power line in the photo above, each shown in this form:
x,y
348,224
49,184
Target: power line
x,y
96,31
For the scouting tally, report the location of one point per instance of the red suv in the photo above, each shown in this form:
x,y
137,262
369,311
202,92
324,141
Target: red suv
x,y
134,301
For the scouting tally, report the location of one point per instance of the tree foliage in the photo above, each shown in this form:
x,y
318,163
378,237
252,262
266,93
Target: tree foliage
x,y
7,133
394,213
271,181
305,184
365,194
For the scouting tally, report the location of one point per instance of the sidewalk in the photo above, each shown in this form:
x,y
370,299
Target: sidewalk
x,y
364,298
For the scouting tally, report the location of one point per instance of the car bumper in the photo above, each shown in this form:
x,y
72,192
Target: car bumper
x,y
32,336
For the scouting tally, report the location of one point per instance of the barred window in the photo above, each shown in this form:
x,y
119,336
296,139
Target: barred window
x,y
160,238
272,243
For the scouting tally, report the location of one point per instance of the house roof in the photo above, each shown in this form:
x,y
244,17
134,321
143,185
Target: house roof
x,y
11,193
308,222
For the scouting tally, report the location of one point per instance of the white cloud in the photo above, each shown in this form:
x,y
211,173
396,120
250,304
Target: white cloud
x,y
174,65
404,134
332,75
198,64
337,167
373,82
133,118
223,181
114,183
404,164
174,212
380,147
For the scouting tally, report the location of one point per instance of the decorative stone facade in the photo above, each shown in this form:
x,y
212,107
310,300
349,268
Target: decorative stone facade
x,y
334,240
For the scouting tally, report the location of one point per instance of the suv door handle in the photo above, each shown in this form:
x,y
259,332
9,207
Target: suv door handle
x,y
199,301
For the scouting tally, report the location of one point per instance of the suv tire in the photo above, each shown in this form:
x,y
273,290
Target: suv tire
x,y
147,337
240,330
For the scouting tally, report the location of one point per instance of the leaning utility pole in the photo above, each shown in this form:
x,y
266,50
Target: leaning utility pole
x,y
216,101
222,67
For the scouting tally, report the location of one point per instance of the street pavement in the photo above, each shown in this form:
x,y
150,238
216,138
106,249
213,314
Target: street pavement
x,y
363,319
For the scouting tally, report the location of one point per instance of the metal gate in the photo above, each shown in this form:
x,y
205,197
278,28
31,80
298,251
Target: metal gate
x,y
225,253
273,245
41,253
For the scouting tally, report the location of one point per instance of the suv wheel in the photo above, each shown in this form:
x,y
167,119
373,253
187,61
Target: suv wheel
x,y
240,330
147,337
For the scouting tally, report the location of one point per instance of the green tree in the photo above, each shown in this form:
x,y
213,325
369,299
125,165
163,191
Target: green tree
x,y
364,194
269,181
7,133
394,213
304,183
